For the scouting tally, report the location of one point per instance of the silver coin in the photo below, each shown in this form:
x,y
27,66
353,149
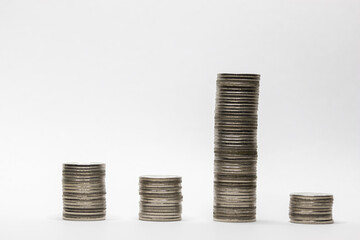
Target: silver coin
x,y
84,218
176,208
309,212
311,218
225,218
160,177
217,219
312,222
156,219
160,191
311,195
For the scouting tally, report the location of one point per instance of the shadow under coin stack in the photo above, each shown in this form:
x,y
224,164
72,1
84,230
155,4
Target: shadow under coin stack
x,y
236,147
311,208
160,198
84,191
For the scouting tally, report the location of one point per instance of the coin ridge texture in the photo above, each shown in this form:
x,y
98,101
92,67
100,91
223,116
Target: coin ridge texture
x,y
160,198
311,208
84,192
235,147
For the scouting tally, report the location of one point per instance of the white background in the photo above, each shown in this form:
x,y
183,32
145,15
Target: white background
x,y
132,84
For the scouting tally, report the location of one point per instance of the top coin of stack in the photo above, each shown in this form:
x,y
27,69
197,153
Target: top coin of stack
x,y
236,147
84,191
160,198
311,208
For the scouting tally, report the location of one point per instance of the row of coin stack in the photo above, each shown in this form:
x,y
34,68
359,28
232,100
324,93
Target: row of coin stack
x,y
235,171
161,198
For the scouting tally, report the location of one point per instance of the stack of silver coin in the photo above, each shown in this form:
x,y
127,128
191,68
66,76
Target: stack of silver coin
x,y
311,208
84,191
160,198
236,122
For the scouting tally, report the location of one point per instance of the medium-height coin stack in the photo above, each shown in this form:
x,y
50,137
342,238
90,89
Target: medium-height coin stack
x,y
236,147
84,191
311,208
160,198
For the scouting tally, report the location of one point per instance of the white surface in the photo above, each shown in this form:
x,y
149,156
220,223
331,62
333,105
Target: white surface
x,y
132,84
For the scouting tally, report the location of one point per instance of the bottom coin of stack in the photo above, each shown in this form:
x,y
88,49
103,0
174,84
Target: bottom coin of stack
x,y
160,198
84,191
311,208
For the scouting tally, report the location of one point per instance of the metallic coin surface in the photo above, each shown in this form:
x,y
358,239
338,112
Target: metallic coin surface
x,y
311,208
235,147
84,192
160,198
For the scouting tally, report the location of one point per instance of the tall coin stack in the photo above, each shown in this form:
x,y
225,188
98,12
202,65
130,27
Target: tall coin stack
x,y
84,191
311,208
160,198
235,150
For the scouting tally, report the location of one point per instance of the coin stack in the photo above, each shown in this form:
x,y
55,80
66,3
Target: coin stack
x,y
84,191
160,198
236,147
311,208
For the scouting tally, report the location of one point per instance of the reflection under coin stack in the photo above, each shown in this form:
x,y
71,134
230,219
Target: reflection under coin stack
x,y
84,191
311,208
236,147
160,198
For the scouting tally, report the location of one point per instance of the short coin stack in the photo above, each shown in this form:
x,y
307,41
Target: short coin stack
x,y
160,198
84,191
236,147
311,208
